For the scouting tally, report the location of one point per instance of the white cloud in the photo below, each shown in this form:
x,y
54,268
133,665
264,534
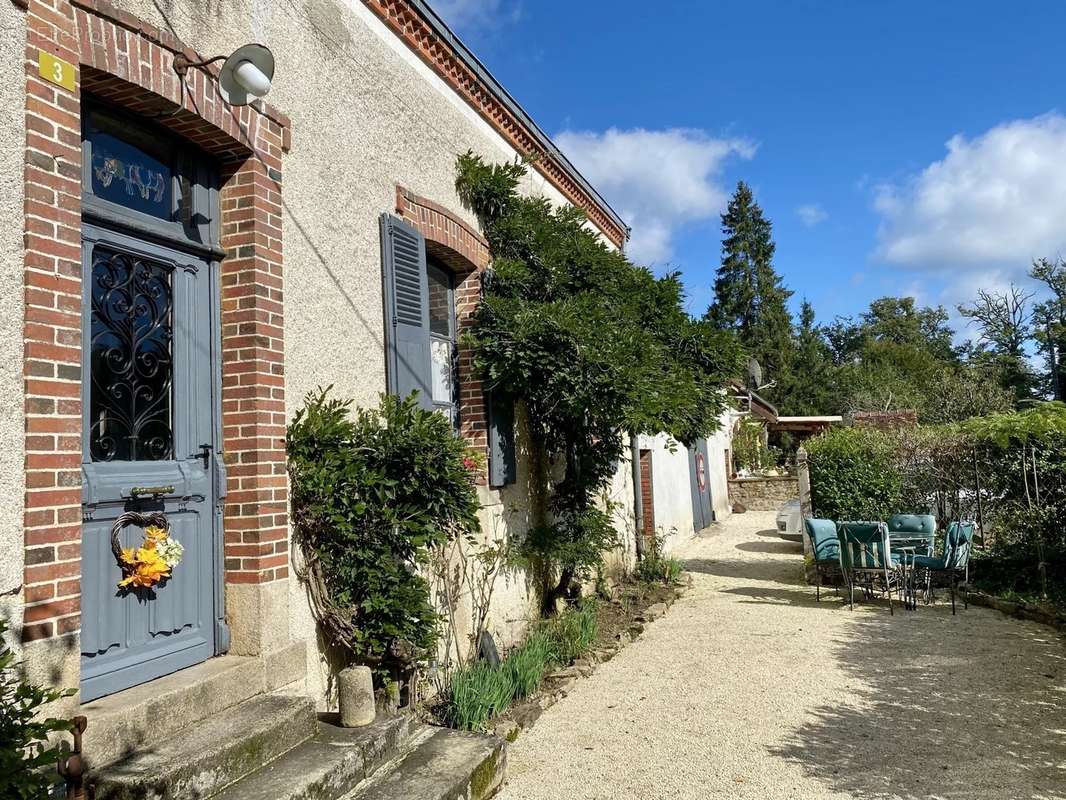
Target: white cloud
x,y
993,202
811,214
465,15
657,180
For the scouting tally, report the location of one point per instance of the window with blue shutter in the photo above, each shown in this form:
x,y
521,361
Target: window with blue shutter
x,y
407,327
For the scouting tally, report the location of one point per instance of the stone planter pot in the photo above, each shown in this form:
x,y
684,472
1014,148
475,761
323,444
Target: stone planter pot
x,y
355,695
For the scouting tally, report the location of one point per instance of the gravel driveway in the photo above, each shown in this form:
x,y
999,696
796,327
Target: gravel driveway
x,y
748,688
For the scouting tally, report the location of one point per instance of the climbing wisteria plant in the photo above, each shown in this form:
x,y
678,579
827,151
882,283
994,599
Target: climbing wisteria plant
x,y
594,347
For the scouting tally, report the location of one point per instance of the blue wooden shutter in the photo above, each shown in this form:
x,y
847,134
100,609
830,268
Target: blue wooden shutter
x,y
403,257
502,466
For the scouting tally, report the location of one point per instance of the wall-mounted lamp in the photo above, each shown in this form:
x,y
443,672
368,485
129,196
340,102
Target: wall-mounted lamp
x,y
246,75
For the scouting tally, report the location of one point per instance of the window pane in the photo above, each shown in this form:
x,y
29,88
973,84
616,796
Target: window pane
x,y
130,359
441,357
128,166
440,306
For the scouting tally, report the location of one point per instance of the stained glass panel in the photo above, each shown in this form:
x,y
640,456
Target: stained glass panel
x,y
130,359
129,167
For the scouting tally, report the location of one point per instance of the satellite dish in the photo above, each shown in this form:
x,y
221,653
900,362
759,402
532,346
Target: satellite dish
x,y
246,75
754,374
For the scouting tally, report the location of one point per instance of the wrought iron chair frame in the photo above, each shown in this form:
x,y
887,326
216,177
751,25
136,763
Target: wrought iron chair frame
x,y
887,572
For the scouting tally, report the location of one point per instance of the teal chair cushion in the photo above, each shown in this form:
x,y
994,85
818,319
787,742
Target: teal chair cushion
x,y
913,530
958,541
864,545
930,562
912,523
823,536
957,544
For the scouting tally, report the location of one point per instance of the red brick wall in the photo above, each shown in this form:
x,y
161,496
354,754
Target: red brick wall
x,y
647,493
129,62
466,253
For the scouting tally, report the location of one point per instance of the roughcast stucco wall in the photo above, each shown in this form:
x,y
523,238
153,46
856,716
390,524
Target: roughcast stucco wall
x,y
12,151
671,489
367,114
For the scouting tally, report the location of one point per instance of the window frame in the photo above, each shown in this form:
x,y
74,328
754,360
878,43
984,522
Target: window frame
x,y
434,266
194,176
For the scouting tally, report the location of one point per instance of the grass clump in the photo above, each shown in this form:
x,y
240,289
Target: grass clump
x,y
477,693
656,567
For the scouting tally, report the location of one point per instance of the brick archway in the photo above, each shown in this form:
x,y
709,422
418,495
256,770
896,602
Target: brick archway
x,y
128,62
466,253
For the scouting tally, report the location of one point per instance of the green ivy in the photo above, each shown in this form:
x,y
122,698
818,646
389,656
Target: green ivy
x,y
27,759
595,348
371,496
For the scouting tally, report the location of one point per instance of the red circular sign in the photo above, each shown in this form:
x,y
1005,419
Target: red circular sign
x,y
701,472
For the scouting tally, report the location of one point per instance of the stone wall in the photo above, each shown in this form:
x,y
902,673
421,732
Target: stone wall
x,y
763,494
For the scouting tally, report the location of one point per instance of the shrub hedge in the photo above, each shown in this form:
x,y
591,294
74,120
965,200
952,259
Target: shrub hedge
x,y
854,475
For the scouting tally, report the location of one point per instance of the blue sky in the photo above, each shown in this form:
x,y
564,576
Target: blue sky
x,y
898,147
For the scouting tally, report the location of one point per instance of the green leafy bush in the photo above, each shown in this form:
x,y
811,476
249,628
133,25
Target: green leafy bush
x,y
654,567
526,665
478,692
371,496
572,634
595,347
27,760
1014,463
854,475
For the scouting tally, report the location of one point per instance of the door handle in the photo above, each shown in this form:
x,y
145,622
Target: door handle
x,y
205,454
150,491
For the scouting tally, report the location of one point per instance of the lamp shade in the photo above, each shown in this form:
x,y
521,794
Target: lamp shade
x,y
246,75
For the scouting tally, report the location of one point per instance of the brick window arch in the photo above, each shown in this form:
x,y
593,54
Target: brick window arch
x,y
454,243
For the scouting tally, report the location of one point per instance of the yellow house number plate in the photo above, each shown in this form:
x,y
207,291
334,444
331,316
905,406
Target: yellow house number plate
x,y
55,70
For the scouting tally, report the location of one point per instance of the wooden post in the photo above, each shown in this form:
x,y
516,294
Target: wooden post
x,y
803,478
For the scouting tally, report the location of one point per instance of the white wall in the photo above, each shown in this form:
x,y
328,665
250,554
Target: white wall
x,y
671,489
717,446
671,481
367,114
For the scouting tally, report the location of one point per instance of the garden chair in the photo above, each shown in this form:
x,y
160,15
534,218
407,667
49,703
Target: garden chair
x,y
958,542
825,546
915,532
866,555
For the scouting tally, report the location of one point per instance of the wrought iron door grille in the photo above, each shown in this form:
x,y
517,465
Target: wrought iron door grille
x,y
131,365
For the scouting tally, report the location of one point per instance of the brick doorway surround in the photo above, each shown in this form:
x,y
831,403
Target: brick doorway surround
x,y
128,63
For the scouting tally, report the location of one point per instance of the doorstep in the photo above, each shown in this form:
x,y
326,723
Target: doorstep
x,y
138,718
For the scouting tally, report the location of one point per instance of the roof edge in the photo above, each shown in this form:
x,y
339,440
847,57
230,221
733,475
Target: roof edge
x,y
521,131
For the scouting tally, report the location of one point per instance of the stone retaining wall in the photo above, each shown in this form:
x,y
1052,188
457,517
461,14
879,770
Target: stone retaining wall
x,y
763,494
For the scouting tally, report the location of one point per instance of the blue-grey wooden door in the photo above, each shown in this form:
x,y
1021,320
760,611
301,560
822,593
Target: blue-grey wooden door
x,y
702,510
150,422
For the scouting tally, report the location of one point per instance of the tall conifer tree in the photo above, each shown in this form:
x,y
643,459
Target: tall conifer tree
x,y
748,295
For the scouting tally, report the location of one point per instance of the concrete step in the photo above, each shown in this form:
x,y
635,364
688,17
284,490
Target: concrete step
x,y
144,716
327,766
442,764
201,760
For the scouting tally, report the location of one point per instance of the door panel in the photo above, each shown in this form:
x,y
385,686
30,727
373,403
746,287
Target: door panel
x,y
702,513
149,405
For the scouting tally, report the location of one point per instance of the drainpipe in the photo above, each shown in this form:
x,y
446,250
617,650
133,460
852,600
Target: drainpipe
x,y
638,494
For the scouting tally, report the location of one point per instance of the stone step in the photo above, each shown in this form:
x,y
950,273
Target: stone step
x,y
201,760
442,764
143,716
327,766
